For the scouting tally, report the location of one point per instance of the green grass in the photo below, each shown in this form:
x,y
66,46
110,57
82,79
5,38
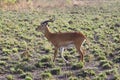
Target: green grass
x,y
9,77
28,78
46,76
55,71
77,66
101,25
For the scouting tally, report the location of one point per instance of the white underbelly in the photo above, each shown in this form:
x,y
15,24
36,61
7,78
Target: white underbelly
x,y
68,45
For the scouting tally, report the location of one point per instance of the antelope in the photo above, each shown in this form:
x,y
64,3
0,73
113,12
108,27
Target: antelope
x,y
61,40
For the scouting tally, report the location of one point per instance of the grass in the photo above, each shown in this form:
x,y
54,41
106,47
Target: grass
x,y
9,77
73,78
2,63
86,73
46,59
55,71
24,51
28,78
106,64
77,66
46,76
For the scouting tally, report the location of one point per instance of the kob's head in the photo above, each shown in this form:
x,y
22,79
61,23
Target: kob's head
x,y
43,25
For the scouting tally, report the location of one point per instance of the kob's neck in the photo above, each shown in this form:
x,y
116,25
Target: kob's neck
x,y
47,33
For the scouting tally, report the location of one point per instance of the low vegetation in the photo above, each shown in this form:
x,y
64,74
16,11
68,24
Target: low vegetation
x,y
26,54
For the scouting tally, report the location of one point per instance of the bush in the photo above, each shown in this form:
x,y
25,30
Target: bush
x,y
5,58
108,72
28,78
90,72
28,67
12,70
25,66
46,59
87,58
116,77
77,66
2,63
49,64
87,72
101,58
10,1
67,73
15,50
23,75
20,71
46,75
43,65
55,71
117,59
103,75
81,74
6,51
73,78
9,77
105,64
25,59
38,65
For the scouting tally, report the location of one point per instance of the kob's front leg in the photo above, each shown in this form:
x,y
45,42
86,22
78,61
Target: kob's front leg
x,y
61,54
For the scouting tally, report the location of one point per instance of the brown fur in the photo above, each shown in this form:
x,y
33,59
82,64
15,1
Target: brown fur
x,y
63,39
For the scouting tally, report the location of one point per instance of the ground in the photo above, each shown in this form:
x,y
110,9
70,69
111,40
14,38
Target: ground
x,y
26,54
